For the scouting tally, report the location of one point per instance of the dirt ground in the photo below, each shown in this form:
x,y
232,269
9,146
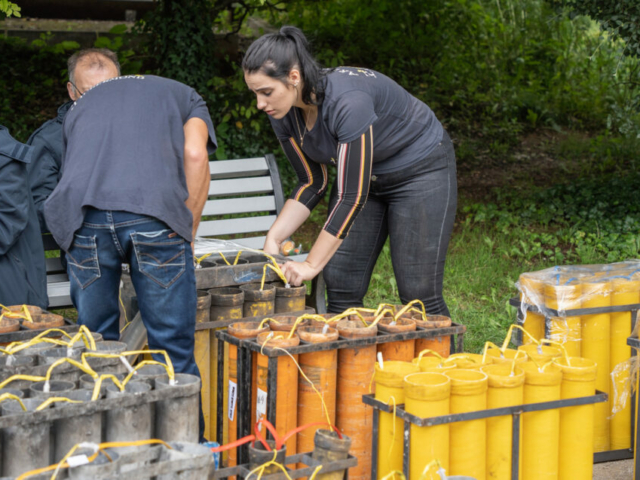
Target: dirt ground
x,y
531,163
622,470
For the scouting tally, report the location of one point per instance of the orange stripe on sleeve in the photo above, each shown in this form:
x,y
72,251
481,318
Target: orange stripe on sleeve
x,y
306,168
360,187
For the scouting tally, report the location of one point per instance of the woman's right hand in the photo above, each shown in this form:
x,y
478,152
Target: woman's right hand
x,y
271,246
293,215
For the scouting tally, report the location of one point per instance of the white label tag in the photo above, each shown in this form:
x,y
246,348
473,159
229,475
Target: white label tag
x,y
261,406
77,460
233,397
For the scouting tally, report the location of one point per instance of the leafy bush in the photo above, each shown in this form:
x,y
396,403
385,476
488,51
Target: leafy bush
x,y
35,77
619,17
588,220
33,80
489,66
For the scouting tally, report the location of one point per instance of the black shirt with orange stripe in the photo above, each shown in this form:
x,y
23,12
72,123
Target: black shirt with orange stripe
x,y
367,124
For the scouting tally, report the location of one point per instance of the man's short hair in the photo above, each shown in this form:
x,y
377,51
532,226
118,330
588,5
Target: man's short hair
x,y
96,56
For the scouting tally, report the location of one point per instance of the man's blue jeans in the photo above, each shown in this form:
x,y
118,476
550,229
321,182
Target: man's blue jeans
x,y
162,273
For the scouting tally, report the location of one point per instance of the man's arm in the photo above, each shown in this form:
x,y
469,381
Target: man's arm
x,y
196,167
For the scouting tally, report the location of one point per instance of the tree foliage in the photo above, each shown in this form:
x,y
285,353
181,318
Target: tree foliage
x,y
181,42
620,17
497,66
8,9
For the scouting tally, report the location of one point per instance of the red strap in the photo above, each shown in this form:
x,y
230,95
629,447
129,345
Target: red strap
x,y
235,444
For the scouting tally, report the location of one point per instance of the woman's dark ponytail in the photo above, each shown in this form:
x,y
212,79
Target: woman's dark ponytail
x,y
276,54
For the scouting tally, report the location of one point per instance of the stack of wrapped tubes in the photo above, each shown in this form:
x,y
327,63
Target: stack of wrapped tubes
x,y
548,298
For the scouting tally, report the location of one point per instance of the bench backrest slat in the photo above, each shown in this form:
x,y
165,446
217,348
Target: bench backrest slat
x,y
252,242
248,167
232,226
240,186
57,277
54,265
229,206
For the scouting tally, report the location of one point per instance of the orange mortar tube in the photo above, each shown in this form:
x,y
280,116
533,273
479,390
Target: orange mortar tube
x,y
321,368
355,373
440,345
243,330
287,397
404,350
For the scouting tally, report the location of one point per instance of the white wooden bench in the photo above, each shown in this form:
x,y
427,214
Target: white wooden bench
x,y
58,287
248,194
245,197
247,190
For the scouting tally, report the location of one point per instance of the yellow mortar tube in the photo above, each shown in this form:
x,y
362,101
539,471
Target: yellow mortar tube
x,y
433,364
540,354
596,346
508,356
624,292
468,440
202,352
389,383
427,395
468,361
565,330
532,293
576,423
506,388
635,447
541,430
202,355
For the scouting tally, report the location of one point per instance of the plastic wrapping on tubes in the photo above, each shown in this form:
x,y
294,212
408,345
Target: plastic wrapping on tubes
x,y
624,378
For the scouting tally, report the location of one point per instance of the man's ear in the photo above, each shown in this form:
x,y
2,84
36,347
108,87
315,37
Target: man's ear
x,y
72,91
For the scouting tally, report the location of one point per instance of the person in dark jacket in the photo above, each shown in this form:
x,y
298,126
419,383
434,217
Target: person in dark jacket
x,y
44,169
22,266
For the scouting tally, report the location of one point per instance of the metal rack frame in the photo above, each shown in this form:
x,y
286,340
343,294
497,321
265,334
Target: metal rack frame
x,y
304,458
27,334
101,405
515,411
634,343
247,347
548,313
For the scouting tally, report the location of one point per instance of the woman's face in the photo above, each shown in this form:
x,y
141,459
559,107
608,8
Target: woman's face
x,y
274,97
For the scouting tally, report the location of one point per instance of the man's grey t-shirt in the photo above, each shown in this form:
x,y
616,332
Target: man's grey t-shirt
x,y
405,130
124,150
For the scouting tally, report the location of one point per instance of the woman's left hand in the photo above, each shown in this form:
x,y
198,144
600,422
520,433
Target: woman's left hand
x,y
298,272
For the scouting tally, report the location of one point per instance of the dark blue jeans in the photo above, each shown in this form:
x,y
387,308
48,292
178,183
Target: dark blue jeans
x,y
415,208
162,273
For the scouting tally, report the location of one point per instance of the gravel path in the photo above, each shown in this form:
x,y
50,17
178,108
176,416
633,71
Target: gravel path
x,y
622,470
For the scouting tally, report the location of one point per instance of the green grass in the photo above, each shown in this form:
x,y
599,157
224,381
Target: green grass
x,y
478,282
